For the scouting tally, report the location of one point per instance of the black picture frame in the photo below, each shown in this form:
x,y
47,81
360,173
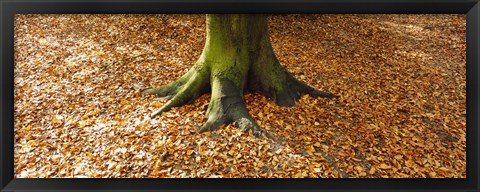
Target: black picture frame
x,y
8,8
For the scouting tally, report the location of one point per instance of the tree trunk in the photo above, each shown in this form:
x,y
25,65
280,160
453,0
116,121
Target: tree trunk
x,y
237,57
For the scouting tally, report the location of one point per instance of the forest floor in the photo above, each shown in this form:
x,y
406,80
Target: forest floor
x,y
401,112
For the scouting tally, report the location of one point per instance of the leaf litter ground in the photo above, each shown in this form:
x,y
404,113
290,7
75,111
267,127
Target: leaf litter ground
x,y
401,114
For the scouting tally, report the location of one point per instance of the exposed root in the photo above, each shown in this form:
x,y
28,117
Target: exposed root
x,y
229,107
174,102
315,93
293,89
246,123
232,110
226,104
169,90
302,88
185,90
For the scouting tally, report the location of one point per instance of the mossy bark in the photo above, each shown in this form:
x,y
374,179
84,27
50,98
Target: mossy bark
x,y
237,57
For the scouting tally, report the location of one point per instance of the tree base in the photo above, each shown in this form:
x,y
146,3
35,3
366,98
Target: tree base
x,y
237,56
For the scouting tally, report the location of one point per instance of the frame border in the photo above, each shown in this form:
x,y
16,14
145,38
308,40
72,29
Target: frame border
x,y
8,8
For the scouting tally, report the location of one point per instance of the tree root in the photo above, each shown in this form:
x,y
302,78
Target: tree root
x,y
233,112
229,107
291,90
227,104
308,89
169,90
180,92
